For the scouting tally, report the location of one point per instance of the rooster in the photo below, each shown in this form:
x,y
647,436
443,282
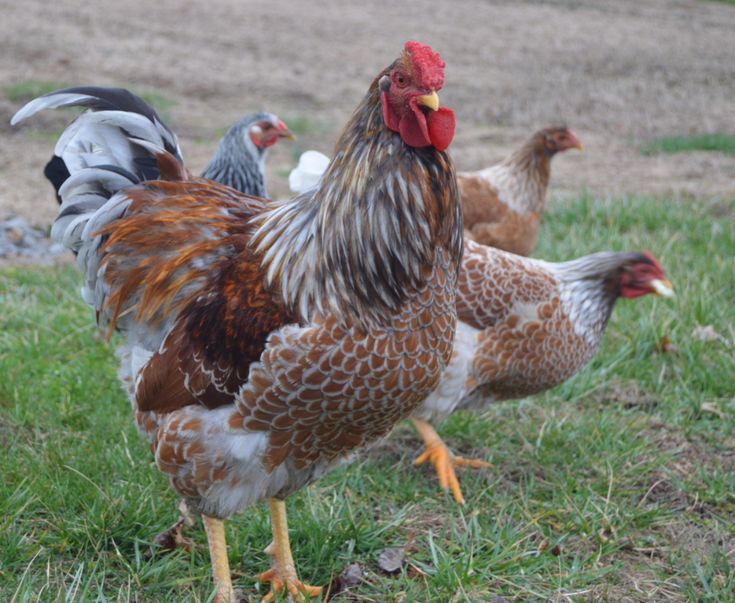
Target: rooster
x,y
238,162
264,344
502,205
525,326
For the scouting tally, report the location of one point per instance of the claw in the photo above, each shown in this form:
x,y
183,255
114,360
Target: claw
x,y
470,463
297,589
291,584
443,460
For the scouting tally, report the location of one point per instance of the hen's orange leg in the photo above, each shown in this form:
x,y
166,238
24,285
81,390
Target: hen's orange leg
x,y
282,574
215,529
443,460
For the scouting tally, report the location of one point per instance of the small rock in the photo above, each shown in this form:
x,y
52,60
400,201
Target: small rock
x,y
19,239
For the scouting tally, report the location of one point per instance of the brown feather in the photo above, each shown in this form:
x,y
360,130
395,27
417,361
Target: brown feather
x,y
503,205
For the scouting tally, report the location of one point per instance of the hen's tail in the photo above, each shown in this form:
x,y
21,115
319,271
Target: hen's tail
x,y
118,142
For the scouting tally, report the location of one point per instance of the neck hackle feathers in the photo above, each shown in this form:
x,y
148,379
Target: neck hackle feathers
x,y
367,236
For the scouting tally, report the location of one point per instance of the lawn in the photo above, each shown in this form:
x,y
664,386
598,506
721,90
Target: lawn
x,y
616,486
724,143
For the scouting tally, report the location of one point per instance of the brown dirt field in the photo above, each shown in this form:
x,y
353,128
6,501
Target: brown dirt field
x,y
617,72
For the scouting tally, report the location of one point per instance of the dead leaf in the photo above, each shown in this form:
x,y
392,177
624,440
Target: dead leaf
x,y
712,408
391,560
172,539
606,533
666,346
351,575
556,550
707,333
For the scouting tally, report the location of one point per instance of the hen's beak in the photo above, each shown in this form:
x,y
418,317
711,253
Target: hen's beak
x,y
575,142
429,100
662,287
284,132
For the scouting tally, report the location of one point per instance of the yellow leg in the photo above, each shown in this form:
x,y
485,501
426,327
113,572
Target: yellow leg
x,y
215,529
443,460
282,574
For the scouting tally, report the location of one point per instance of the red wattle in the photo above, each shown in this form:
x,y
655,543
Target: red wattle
x,y
413,130
419,129
441,127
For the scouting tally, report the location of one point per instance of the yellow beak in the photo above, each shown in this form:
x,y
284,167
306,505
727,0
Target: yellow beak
x,y
662,287
429,100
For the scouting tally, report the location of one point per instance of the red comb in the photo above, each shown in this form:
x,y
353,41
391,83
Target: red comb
x,y
428,64
654,261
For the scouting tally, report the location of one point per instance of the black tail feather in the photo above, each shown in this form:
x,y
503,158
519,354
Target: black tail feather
x,y
56,173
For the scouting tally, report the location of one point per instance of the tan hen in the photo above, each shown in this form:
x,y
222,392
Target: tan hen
x,y
503,205
525,326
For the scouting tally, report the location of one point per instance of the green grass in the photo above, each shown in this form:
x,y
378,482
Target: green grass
x,y
305,128
158,101
724,143
301,125
593,495
22,92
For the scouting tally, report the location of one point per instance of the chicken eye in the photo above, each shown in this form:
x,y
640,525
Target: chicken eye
x,y
401,80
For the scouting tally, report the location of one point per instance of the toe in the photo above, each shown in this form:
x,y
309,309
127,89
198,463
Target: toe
x,y
471,463
423,457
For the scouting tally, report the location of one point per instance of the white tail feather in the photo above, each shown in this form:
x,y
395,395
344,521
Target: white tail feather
x,y
306,175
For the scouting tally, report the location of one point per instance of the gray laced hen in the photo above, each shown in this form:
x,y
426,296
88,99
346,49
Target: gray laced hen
x,y
239,161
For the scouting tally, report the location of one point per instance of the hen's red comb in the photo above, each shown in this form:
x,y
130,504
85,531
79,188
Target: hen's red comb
x,y
654,261
428,64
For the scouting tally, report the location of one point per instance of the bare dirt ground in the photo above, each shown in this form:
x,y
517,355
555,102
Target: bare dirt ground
x,y
618,72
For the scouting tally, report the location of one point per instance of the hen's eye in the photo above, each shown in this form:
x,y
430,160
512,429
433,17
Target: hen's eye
x,y
400,80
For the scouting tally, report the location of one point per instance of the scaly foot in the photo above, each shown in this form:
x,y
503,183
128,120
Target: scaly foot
x,y
444,463
285,579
